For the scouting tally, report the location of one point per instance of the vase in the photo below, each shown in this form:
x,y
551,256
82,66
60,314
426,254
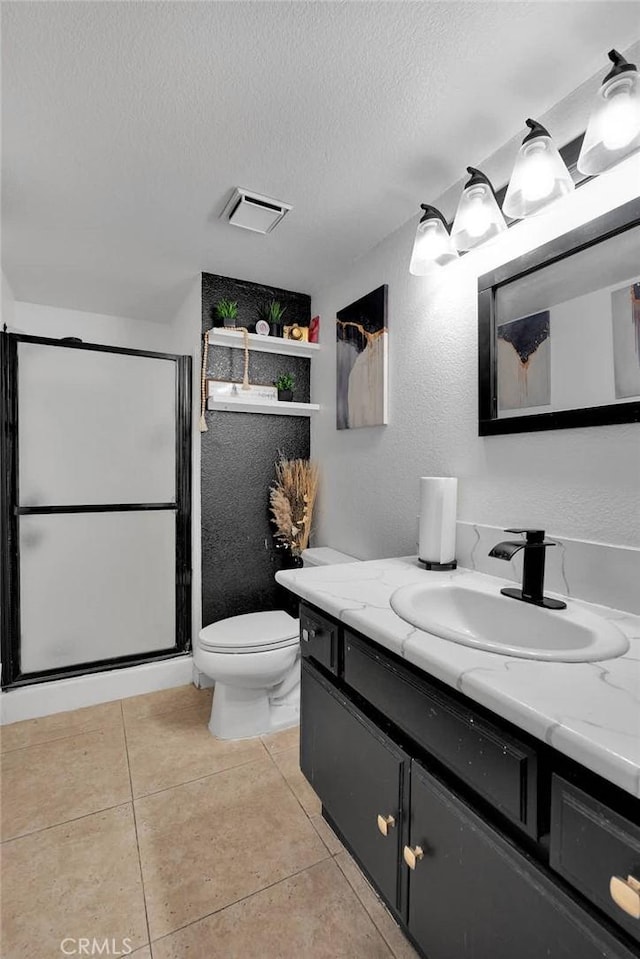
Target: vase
x,y
285,396
291,561
229,322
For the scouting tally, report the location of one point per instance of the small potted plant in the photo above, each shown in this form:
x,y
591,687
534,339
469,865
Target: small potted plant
x,y
272,312
227,311
284,385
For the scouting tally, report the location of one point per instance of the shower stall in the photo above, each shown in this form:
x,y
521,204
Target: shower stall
x,y
94,507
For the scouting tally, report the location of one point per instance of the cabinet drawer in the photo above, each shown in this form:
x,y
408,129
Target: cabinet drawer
x,y
473,894
318,638
499,767
590,846
358,773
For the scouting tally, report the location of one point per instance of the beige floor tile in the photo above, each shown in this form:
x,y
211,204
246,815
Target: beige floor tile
x,y
327,835
288,762
166,701
32,732
313,915
209,843
380,915
144,953
62,780
177,747
286,739
81,879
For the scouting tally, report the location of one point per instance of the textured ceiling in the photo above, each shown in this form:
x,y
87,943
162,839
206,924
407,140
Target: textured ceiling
x,y
126,125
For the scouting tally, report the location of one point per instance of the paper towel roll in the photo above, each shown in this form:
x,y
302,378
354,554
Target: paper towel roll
x,y
437,539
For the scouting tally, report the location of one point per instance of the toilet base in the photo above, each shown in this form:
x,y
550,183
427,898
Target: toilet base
x,y
239,713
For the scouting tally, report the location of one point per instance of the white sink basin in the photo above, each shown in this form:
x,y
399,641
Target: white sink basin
x,y
479,616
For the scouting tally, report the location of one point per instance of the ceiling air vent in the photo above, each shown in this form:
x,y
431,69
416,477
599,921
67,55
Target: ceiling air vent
x,y
251,211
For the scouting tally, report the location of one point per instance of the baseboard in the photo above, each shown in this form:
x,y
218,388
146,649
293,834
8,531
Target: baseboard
x,y
42,699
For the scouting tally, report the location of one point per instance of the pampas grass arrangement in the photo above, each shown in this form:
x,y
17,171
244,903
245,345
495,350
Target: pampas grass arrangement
x,y
292,500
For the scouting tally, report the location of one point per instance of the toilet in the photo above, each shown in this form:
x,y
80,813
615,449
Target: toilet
x,y
254,661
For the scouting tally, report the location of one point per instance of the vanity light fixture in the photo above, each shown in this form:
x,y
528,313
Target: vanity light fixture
x,y
433,247
613,131
478,218
540,175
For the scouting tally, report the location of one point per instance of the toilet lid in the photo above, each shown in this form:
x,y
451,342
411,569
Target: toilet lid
x,y
253,631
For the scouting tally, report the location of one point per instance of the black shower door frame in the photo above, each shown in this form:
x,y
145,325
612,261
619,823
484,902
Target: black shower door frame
x,y
11,511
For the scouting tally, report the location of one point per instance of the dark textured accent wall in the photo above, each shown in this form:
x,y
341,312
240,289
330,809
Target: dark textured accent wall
x,y
239,558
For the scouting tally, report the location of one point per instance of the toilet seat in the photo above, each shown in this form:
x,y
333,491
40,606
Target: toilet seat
x,y
251,633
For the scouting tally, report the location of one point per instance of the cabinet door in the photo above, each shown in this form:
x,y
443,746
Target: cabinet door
x,y
473,895
358,773
597,851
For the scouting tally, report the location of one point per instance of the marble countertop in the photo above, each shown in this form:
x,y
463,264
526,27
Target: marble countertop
x,y
588,711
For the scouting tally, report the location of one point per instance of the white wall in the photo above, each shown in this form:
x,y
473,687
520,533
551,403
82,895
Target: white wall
x,y
92,327
579,483
187,338
8,303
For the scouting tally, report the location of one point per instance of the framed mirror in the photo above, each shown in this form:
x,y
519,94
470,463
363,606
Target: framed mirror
x,y
559,331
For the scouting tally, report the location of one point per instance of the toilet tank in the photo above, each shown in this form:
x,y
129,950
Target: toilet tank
x,y
325,556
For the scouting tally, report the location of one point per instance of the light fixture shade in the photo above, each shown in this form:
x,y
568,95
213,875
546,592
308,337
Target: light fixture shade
x,y
613,132
478,218
540,175
433,248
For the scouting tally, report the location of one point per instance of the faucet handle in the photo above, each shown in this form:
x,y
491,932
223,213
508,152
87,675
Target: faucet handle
x,y
531,535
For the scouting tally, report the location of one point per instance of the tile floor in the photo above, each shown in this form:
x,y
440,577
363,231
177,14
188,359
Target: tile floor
x,y
128,821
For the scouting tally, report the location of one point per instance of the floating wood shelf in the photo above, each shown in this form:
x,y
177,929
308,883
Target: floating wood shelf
x,y
276,408
265,344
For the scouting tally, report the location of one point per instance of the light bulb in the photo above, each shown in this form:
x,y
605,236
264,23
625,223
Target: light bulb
x,y
478,217
537,179
430,242
620,119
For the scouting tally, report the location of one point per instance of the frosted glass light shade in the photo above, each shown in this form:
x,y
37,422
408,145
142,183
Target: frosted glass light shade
x,y
433,248
613,131
478,218
540,175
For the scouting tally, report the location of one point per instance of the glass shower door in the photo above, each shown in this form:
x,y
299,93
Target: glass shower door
x,y
96,560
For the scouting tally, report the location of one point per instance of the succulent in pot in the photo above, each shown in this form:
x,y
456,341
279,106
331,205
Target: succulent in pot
x,y
284,385
272,312
227,311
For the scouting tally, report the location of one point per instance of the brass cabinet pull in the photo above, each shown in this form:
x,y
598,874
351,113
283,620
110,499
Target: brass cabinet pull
x,y
626,894
385,823
412,856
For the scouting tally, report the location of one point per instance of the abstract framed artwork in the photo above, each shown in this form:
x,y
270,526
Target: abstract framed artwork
x,y
362,362
524,362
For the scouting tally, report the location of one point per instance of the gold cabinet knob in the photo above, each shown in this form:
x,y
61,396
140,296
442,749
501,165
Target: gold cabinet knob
x,y
385,823
626,894
412,856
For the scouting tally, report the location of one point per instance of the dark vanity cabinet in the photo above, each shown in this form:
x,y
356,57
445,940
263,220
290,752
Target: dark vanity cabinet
x,y
473,893
448,811
360,775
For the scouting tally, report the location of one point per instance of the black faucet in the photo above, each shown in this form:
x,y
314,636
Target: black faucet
x,y
534,547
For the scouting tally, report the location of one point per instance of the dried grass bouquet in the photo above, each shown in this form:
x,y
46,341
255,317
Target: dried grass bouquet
x,y
292,500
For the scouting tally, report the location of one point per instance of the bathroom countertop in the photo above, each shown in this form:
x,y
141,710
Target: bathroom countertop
x,y
588,711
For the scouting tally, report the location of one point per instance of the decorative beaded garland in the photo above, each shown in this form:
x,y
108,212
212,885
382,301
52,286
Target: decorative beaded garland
x,y
203,374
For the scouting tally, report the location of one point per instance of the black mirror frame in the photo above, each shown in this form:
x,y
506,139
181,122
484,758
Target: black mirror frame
x,y
616,221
